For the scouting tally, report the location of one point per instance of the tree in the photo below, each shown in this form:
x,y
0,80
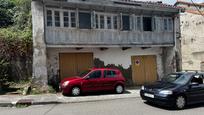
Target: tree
x,y
16,37
22,16
6,13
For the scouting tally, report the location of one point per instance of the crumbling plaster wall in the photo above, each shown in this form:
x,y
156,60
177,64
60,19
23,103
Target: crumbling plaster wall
x,y
39,46
114,56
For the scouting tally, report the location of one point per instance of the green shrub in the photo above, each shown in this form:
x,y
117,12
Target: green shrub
x,y
3,72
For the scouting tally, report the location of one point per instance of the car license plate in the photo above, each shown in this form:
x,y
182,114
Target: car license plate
x,y
148,95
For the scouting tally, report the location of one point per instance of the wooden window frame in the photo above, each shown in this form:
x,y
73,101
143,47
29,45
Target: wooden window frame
x,y
61,11
105,17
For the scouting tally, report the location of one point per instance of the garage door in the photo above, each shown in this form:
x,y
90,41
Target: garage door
x,y
144,69
72,64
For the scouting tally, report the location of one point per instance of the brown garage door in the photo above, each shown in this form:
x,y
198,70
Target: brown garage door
x,y
71,64
144,69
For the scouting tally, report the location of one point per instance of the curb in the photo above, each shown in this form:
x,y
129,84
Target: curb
x,y
6,104
62,101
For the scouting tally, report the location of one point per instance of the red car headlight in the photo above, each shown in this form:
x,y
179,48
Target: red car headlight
x,y
65,84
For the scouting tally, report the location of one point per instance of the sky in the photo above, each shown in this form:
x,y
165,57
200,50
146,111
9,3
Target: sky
x,y
174,1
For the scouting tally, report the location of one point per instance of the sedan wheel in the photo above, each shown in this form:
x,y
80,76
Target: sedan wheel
x,y
76,91
180,102
119,89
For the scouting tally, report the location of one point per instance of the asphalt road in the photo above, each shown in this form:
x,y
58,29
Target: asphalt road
x,y
132,106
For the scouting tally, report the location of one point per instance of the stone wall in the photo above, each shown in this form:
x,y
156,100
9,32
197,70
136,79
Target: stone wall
x,y
192,28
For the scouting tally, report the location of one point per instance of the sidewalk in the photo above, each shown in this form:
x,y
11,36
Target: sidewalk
x,y
12,100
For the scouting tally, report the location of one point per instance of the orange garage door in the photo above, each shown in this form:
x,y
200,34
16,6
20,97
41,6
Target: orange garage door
x,y
144,69
72,64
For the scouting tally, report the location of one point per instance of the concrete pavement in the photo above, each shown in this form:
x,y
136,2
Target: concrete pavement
x,y
12,100
130,106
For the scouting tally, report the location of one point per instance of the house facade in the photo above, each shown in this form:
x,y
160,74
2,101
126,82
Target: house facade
x,y
192,37
71,36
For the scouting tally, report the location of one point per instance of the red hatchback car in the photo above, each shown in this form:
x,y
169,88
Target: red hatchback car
x,y
100,79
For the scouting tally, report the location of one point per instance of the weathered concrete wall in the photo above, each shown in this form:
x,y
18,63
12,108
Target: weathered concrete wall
x,y
39,53
169,60
192,28
114,56
55,36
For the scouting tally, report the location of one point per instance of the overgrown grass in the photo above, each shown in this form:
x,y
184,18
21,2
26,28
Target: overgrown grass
x,y
22,105
37,91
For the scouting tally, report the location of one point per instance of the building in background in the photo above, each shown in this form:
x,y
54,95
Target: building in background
x,y
71,36
192,35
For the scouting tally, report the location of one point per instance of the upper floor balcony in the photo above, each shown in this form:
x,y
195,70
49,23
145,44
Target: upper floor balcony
x,y
79,25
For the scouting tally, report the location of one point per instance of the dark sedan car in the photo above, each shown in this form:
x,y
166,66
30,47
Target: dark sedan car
x,y
176,90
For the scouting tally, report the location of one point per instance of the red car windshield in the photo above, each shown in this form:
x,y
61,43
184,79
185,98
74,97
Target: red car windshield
x,y
84,73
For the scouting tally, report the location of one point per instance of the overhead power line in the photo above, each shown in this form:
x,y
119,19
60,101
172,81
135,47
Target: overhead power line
x,y
197,8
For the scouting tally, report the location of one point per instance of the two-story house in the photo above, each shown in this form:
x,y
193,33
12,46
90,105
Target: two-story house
x,y
71,36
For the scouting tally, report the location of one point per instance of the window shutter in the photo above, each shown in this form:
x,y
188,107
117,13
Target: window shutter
x,y
121,21
161,22
157,23
154,25
77,18
132,22
93,18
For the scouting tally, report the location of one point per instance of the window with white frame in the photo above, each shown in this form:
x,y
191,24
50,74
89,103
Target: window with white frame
x,y
69,18
106,21
73,19
109,22
49,17
57,18
96,21
115,22
66,18
168,24
165,25
102,22
54,18
138,23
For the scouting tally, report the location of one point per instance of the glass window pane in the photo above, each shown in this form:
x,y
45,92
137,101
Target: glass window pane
x,y
66,24
109,74
102,22
84,20
57,19
66,14
165,24
170,24
109,22
138,23
126,22
147,23
49,18
95,75
96,20
73,19
66,19
115,20
49,23
49,12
